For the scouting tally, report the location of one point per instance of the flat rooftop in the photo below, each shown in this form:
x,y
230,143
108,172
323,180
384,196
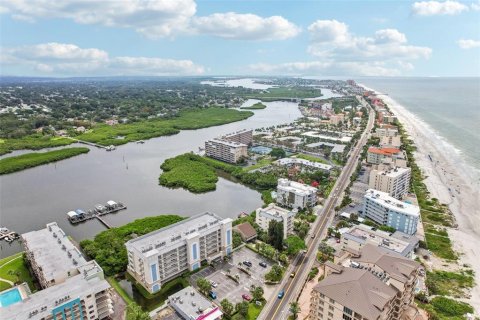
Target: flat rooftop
x,y
53,251
391,203
174,234
44,301
274,210
191,302
308,163
399,242
227,142
295,186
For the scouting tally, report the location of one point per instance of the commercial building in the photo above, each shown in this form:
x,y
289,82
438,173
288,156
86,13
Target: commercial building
x,y
275,213
295,195
360,235
225,150
243,136
164,254
380,286
74,288
52,255
385,210
288,162
191,305
394,181
377,155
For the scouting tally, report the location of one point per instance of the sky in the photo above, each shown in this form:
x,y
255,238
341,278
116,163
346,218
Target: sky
x,y
196,38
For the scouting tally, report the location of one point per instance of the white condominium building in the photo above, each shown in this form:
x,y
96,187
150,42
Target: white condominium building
x,y
394,181
275,213
385,210
379,155
164,254
243,136
295,195
225,150
386,132
52,255
390,142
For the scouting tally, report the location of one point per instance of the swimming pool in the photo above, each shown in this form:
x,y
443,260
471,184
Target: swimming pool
x,y
9,297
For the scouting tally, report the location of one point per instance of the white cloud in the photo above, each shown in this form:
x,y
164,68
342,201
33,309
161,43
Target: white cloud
x,y
431,8
68,59
155,18
233,25
390,36
329,31
475,6
468,43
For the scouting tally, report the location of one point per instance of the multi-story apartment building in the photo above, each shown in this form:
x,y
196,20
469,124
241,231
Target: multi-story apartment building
x,y
74,288
390,142
386,131
243,136
275,213
164,254
85,296
379,287
225,150
385,210
394,181
52,255
377,155
302,163
360,235
295,195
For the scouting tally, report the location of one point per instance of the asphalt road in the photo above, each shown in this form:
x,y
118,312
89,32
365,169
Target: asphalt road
x,y
279,308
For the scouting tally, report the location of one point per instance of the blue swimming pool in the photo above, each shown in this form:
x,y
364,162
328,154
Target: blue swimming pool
x,y
9,297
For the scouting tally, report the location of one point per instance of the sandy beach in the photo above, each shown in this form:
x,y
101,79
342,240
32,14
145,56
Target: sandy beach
x,y
451,181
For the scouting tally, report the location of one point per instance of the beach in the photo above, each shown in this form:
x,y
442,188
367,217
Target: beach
x,y
453,182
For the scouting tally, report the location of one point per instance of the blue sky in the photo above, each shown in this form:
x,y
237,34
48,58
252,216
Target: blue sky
x,y
187,37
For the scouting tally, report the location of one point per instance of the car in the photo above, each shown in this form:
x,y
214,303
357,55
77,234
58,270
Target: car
x,y
313,236
338,240
212,295
247,263
246,297
213,284
263,264
292,275
281,294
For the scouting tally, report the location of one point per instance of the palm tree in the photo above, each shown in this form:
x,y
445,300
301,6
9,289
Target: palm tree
x,y
294,309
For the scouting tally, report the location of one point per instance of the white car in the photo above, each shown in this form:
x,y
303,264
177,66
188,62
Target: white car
x,y
214,284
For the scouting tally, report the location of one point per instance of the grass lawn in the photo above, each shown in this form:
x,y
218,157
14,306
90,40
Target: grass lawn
x,y
34,159
261,163
14,268
253,312
310,158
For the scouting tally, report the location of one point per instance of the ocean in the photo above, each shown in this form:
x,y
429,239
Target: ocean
x,y
450,106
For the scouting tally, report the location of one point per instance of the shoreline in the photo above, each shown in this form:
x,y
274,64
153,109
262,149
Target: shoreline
x,y
453,182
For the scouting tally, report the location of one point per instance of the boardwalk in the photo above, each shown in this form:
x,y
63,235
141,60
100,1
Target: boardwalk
x,y
105,223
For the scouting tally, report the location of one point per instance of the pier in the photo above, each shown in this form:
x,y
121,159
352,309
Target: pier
x,y
105,223
80,215
108,148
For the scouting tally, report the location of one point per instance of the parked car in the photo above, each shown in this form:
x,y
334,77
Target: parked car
x,y
338,240
263,264
246,297
281,294
247,263
214,284
212,295
292,275
313,235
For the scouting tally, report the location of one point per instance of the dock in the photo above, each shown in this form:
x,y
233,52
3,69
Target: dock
x,y
8,235
80,215
88,143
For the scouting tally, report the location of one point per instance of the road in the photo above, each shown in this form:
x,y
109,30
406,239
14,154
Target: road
x,y
302,264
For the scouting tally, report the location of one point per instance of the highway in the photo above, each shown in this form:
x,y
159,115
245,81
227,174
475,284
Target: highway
x,y
279,308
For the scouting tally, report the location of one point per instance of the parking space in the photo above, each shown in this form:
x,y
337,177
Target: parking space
x,y
229,289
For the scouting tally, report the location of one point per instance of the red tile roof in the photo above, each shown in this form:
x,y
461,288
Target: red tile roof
x,y
384,151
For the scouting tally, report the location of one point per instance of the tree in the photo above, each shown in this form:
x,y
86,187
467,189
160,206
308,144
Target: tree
x,y
275,273
134,312
204,285
294,245
242,308
257,293
227,307
283,258
237,239
275,234
278,153
294,309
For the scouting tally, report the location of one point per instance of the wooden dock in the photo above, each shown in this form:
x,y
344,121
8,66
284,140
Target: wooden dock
x,y
105,223
95,214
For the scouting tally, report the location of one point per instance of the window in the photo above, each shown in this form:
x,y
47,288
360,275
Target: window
x,y
330,308
330,314
347,311
345,317
332,301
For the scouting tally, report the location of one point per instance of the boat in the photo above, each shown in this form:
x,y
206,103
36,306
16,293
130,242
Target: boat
x,y
110,148
141,141
79,215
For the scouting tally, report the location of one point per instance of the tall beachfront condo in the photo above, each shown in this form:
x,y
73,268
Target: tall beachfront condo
x,y
243,136
275,213
394,181
295,195
385,210
225,150
379,286
74,288
164,254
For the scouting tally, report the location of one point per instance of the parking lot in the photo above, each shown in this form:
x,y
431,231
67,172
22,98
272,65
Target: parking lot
x,y
227,287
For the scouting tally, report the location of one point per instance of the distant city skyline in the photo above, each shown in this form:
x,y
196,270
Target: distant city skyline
x,y
187,37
